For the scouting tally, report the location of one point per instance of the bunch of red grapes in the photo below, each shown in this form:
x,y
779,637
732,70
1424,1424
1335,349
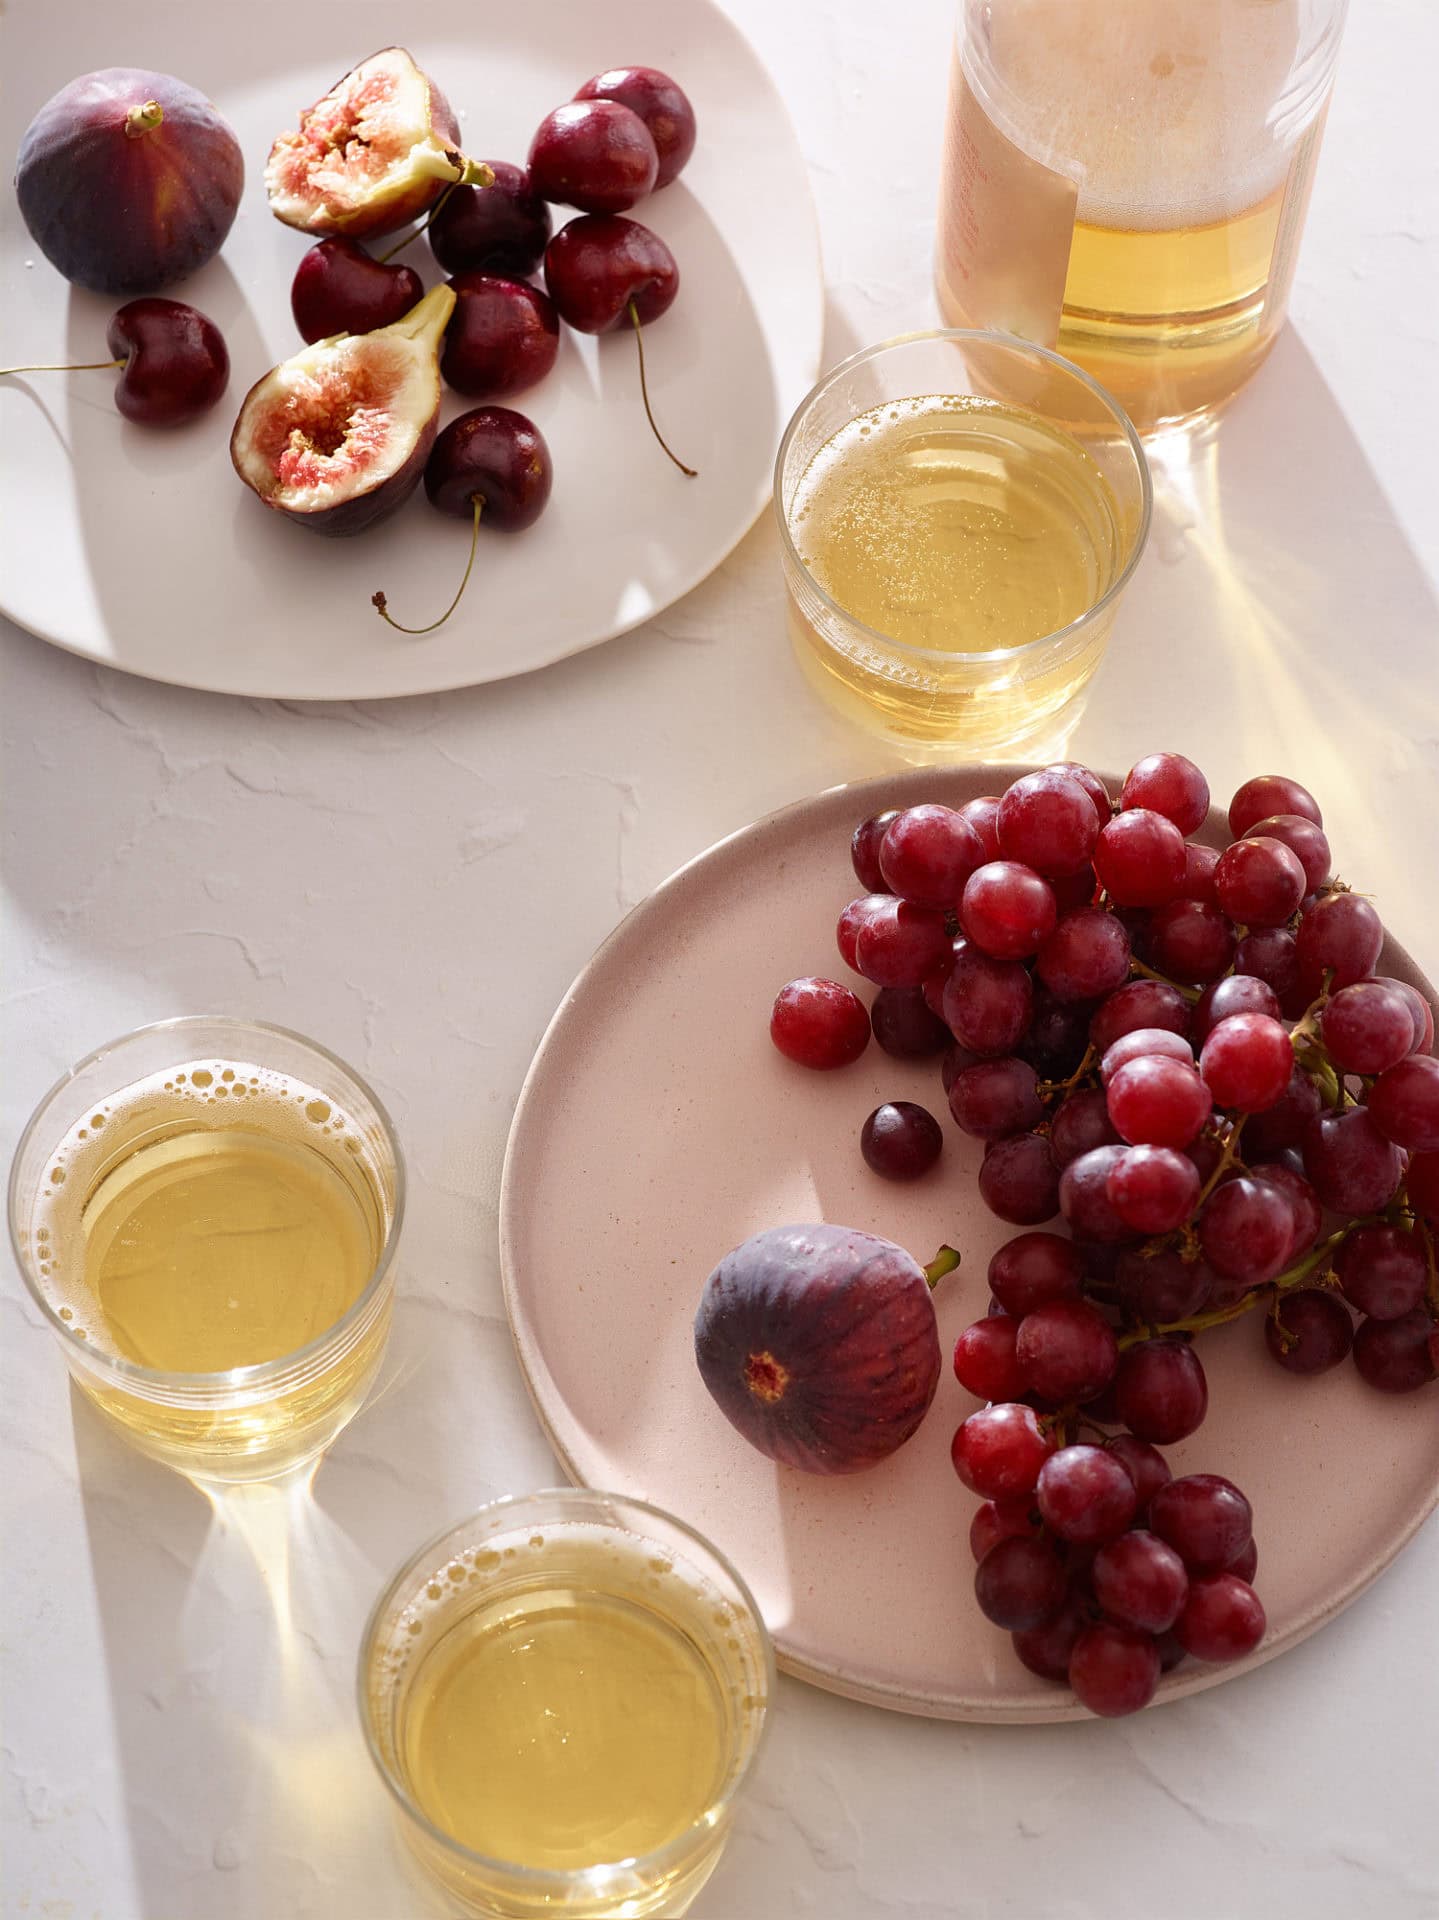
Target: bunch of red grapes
x,y
1187,1055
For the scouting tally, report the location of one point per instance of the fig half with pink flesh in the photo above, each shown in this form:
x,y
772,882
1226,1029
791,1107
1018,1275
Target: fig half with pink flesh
x,y
337,437
373,154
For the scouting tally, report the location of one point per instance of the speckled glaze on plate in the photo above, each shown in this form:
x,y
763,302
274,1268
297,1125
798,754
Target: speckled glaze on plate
x,y
658,1127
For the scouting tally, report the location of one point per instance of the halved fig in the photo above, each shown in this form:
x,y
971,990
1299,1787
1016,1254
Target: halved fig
x,y
372,155
337,437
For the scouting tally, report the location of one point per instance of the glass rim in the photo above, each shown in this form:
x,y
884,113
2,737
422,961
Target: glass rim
x,y
1013,342
559,1879
260,1372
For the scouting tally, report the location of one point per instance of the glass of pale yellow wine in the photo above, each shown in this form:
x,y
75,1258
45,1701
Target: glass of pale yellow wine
x,y
206,1212
564,1696
959,516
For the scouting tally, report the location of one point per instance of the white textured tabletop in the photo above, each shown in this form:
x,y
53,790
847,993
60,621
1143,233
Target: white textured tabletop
x,y
416,884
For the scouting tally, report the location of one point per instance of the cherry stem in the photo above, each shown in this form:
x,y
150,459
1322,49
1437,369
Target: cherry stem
x,y
65,366
945,1261
690,472
381,606
415,232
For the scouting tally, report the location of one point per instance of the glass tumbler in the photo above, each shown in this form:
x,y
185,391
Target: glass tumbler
x,y
563,1696
206,1212
959,516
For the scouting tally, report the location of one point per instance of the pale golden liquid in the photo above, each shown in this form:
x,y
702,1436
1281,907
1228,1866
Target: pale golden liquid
x,y
573,1729
960,526
215,1218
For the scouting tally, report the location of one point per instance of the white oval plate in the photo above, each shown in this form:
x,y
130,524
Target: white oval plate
x,y
143,550
658,1128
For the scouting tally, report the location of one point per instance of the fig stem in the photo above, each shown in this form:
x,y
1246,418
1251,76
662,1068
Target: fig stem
x,y
945,1261
690,472
65,366
143,119
415,232
377,600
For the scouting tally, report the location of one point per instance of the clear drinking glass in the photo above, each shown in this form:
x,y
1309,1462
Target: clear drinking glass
x,y
201,1191
1127,181
564,1695
959,515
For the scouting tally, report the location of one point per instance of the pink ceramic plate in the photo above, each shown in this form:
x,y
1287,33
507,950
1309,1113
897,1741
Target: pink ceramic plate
x,y
658,1127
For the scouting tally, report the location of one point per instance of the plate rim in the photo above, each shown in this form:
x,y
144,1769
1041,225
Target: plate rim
x,y
460,679
904,786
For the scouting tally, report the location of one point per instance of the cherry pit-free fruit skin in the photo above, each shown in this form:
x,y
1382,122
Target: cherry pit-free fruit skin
x,y
339,288
503,228
503,336
176,362
498,456
600,265
595,155
660,103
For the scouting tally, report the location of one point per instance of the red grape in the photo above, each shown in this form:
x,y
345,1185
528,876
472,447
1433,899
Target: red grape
x,y
901,1140
1284,1124
984,1359
1267,794
1143,1003
987,1003
1247,1564
1048,821
1156,1102
1140,1581
1066,1350
1259,882
996,1520
935,981
1090,781
1007,910
1199,865
898,944
1421,1183
983,815
1191,941
1396,1355
1170,1651
1404,1104
1020,1583
1084,1196
1159,1288
1381,1271
1086,955
1271,955
1320,1332
1341,933
1153,1189
1145,1465
1419,1007
1142,1043
1167,783
995,1098
1034,1268
904,1026
1018,1180
1161,1391
1205,1518
846,933
1239,993
1351,1165
927,854
1246,1229
1308,842
1080,1124
998,1451
818,1023
956,1059
1085,1495
1046,1649
1075,890
1246,1062
1139,858
1223,1618
1304,1205
864,850
1114,1670
1057,1038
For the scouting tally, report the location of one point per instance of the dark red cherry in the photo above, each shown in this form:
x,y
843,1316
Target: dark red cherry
x,y
503,336
175,362
490,465
503,228
662,106
339,288
595,155
601,264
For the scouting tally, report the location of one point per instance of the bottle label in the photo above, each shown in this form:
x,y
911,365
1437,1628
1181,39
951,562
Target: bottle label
x,y
1005,226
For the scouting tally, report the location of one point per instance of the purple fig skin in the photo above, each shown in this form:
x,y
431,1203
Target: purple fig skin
x,y
820,1346
128,211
